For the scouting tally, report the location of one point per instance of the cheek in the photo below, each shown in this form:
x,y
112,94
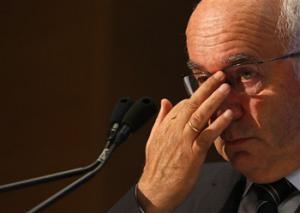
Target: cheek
x,y
269,118
275,115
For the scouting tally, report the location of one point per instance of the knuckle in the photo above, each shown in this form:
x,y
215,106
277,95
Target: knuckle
x,y
206,135
192,106
183,102
212,81
215,100
211,104
180,105
218,96
198,118
206,138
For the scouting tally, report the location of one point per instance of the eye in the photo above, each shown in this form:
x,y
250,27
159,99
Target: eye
x,y
246,79
201,78
246,74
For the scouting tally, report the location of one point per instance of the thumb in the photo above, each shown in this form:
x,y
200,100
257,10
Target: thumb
x,y
165,108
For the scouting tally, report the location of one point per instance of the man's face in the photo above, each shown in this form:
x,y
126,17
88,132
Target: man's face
x,y
263,141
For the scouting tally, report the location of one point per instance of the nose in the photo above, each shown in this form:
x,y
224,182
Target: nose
x,y
233,102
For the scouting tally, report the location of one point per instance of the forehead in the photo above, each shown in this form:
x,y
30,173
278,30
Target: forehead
x,y
217,32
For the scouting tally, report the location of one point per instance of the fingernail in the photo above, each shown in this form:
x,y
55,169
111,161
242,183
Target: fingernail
x,y
219,75
228,114
224,88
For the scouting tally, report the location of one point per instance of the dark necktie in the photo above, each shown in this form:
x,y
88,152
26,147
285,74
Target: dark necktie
x,y
271,195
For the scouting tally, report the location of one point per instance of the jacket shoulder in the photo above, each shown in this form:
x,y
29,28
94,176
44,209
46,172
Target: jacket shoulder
x,y
218,171
213,188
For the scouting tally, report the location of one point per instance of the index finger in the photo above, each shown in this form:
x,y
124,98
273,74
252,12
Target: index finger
x,y
203,92
186,108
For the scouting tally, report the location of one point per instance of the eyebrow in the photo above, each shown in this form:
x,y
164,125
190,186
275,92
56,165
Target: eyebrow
x,y
193,65
232,60
240,58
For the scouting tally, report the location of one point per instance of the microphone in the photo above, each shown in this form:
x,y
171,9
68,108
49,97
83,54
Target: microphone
x,y
138,115
120,109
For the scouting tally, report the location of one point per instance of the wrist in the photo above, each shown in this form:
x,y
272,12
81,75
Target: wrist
x,y
150,204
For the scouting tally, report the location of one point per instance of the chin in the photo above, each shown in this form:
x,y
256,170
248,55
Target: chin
x,y
246,164
252,168
241,160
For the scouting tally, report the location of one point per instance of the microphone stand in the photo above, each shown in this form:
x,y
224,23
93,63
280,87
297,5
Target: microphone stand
x,y
118,138
137,115
48,178
69,188
58,175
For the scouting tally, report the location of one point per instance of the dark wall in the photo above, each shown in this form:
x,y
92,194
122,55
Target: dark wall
x,y
63,65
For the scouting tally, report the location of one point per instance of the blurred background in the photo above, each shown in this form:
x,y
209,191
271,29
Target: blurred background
x,y
63,65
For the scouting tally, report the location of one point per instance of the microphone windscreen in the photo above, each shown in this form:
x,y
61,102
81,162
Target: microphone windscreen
x,y
140,113
120,109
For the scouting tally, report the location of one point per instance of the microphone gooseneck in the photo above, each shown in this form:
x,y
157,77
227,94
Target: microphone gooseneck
x,y
74,185
137,115
118,112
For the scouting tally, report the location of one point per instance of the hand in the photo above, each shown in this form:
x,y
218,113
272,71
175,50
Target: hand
x,y
178,145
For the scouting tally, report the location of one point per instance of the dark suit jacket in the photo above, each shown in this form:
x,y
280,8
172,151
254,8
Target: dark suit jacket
x,y
219,189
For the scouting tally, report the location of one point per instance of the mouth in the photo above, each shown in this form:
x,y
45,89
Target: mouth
x,y
237,141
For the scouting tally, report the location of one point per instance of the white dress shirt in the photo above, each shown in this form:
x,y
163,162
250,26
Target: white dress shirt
x,y
249,199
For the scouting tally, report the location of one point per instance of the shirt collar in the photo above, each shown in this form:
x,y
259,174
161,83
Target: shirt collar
x,y
248,186
293,178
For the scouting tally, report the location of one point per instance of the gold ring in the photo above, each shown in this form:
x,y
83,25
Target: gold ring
x,y
193,128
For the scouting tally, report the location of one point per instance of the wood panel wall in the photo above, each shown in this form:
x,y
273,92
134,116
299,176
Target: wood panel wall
x,y
63,65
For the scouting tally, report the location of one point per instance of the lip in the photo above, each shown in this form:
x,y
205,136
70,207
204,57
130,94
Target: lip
x,y
238,141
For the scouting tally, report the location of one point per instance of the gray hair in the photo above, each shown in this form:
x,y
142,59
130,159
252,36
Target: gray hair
x,y
289,28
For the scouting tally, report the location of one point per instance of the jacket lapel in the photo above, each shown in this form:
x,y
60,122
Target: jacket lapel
x,y
233,201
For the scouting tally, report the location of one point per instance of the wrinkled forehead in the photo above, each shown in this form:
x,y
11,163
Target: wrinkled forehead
x,y
219,29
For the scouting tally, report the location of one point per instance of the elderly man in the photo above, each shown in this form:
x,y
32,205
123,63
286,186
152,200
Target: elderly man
x,y
246,100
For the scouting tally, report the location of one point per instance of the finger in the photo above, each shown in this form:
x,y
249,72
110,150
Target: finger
x,y
212,132
207,88
185,108
200,117
165,107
